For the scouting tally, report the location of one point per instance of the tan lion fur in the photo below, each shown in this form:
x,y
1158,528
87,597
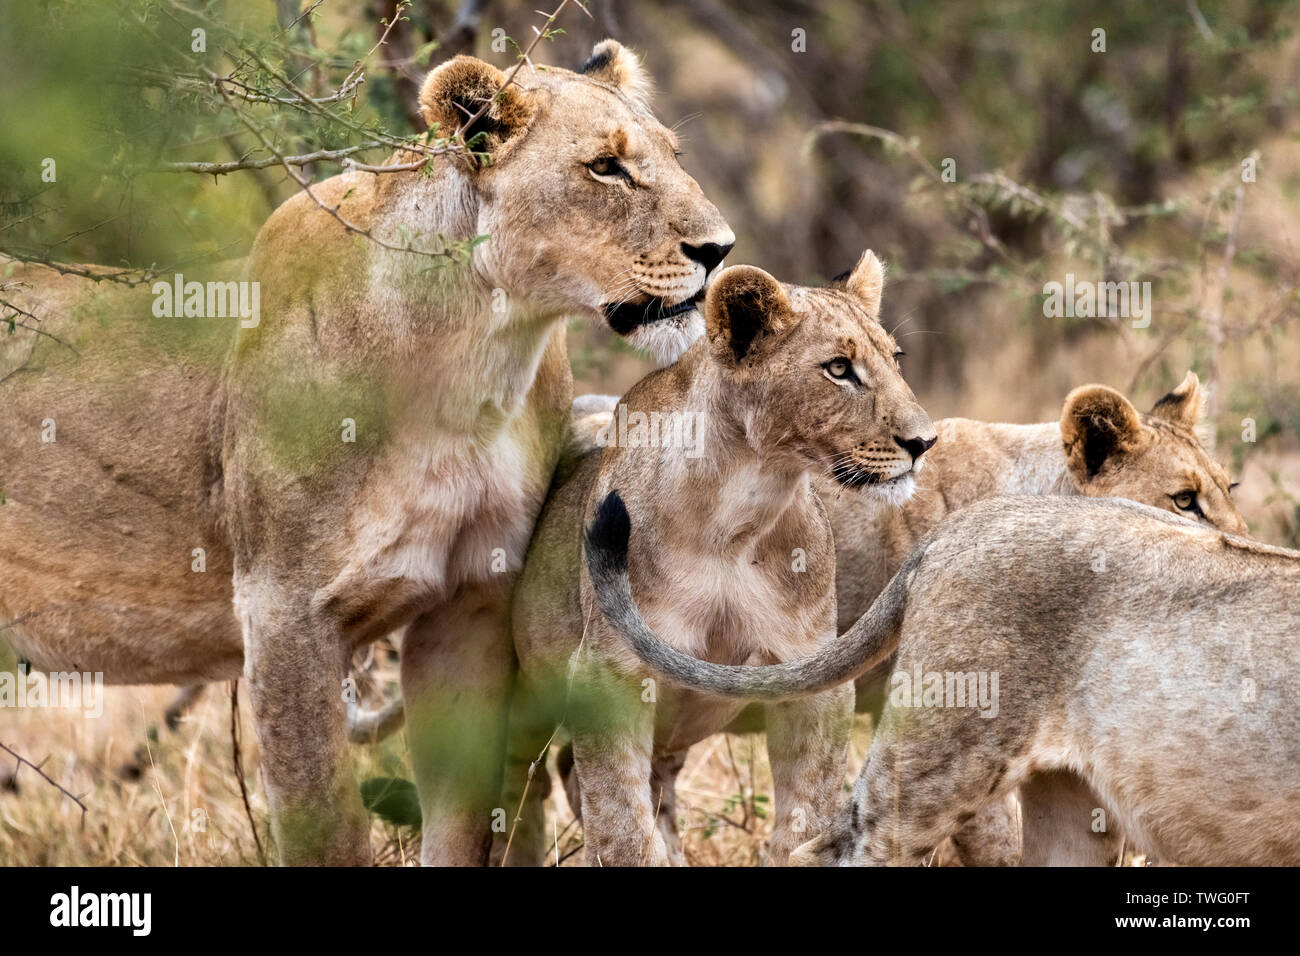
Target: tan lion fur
x,y
1149,458
737,543
1142,668
458,384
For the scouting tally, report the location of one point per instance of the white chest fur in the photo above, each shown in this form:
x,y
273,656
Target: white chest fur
x,y
730,610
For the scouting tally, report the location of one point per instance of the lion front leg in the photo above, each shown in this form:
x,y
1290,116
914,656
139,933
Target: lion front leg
x,y
807,743
295,665
664,770
613,742
992,836
526,781
457,669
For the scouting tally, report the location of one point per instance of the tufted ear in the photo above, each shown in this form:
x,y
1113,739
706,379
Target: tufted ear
x,y
457,89
744,307
1096,423
1184,405
615,64
867,282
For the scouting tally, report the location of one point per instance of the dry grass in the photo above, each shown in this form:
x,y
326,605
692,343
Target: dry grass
x,y
158,797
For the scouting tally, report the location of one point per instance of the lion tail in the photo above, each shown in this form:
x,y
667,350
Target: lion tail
x,y
869,642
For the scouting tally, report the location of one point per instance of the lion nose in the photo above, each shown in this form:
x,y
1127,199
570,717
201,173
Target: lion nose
x,y
916,447
708,254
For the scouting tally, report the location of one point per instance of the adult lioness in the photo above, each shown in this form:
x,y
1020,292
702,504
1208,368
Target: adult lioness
x,y
376,452
1144,662
790,382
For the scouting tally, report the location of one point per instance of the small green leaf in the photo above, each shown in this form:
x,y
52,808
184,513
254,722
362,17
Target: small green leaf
x,y
392,799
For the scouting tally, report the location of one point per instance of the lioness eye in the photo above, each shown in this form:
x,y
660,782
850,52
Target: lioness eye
x,y
839,368
606,166
1233,485
1186,500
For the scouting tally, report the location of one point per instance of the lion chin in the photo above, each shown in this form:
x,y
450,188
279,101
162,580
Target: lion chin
x,y
896,492
669,338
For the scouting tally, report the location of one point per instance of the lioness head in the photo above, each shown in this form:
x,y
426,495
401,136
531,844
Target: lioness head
x,y
815,377
588,209
1113,450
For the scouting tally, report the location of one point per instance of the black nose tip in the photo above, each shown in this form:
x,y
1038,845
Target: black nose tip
x,y
708,255
916,447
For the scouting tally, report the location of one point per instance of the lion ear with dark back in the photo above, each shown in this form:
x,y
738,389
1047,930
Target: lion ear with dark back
x,y
866,282
1185,405
1097,423
456,90
745,308
611,62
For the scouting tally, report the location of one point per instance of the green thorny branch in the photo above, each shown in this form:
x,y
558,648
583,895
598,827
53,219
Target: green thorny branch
x,y
1090,227
253,83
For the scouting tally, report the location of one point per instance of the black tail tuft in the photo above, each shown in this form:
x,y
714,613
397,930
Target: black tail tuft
x,y
607,538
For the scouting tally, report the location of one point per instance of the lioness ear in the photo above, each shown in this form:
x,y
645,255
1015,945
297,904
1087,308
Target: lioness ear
x,y
615,64
867,282
1096,423
1184,405
457,89
744,306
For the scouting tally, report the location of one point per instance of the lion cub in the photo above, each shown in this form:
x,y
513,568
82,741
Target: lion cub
x,y
1139,665
1101,447
714,456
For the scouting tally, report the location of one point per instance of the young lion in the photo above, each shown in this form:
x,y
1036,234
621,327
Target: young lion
x,y
1139,663
373,455
1102,446
737,560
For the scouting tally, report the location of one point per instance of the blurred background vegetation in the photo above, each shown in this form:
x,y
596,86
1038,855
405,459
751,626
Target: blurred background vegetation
x,y
1121,164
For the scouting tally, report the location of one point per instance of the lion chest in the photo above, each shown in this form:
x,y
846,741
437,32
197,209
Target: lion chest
x,y
741,609
439,515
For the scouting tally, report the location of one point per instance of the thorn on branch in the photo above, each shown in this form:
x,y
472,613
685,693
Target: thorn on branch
x,y
36,768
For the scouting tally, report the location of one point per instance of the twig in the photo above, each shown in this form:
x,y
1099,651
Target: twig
x,y
46,777
218,169
129,277
1215,321
570,852
176,840
977,212
555,845
245,92
305,184
523,58
6,304
1198,18
239,768
541,756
